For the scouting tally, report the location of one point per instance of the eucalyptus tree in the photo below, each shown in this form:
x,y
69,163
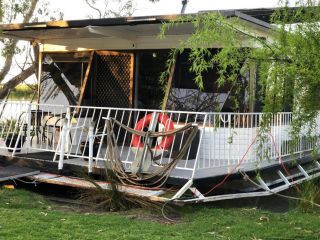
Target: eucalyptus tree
x,y
23,11
111,8
13,11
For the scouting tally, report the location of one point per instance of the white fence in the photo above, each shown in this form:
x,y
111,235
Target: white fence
x,y
223,139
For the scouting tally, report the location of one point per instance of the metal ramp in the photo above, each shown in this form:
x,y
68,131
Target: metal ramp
x,y
264,187
12,172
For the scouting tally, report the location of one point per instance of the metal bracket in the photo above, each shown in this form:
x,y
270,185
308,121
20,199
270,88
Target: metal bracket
x,y
262,183
197,193
318,164
183,190
303,171
283,177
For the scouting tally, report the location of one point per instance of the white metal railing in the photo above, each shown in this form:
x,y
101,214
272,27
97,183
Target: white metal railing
x,y
80,132
233,138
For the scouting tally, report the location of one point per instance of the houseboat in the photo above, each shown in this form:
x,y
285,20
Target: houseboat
x,y
99,106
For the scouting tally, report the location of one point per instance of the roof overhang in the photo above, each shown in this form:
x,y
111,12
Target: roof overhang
x,y
116,33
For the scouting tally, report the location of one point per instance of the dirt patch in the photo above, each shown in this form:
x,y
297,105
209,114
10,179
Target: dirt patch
x,y
166,215
170,216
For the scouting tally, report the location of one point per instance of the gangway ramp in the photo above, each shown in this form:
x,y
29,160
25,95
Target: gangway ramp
x,y
12,172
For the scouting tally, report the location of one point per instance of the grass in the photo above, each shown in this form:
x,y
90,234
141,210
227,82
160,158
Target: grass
x,y
26,215
22,92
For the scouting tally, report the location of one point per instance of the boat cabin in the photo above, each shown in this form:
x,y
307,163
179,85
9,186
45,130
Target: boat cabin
x,y
99,106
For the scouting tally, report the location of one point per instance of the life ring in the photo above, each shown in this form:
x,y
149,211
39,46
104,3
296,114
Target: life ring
x,y
145,121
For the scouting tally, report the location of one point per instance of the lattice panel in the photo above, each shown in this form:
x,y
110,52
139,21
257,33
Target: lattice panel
x,y
113,79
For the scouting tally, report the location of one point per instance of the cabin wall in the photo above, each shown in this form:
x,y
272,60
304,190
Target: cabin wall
x,y
111,82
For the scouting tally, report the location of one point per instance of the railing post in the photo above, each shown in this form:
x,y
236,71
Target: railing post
x,y
230,139
199,146
280,137
18,142
317,133
91,142
28,140
68,117
63,137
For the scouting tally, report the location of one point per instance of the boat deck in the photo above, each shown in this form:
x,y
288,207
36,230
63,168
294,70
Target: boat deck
x,y
183,170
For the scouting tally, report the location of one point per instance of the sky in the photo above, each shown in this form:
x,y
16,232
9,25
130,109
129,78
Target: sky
x,y
77,9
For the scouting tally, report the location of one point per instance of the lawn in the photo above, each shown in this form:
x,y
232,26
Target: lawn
x,y
26,215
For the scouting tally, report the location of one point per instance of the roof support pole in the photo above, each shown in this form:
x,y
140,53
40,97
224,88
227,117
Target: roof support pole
x,y
173,67
39,71
85,80
252,85
169,84
136,80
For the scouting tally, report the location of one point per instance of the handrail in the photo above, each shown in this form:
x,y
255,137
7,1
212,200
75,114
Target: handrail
x,y
221,140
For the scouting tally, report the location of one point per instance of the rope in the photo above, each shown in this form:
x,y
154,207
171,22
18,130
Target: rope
x,y
232,171
34,182
163,211
160,175
281,162
243,158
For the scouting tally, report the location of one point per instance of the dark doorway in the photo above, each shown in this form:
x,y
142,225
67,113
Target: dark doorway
x,y
112,80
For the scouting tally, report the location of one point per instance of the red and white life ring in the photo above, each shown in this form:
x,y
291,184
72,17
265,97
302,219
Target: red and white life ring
x,y
145,121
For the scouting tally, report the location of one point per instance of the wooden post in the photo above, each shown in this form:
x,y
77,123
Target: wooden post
x,y
136,80
39,72
252,85
173,67
169,84
85,80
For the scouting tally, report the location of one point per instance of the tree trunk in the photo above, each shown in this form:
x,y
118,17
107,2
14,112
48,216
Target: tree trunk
x,y
11,45
13,82
56,75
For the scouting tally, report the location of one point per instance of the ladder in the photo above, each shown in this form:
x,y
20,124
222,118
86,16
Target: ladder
x,y
266,188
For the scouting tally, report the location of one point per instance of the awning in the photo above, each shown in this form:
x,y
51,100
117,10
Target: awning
x,y
115,33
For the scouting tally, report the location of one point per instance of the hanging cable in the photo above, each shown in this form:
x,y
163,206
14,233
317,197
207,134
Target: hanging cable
x,y
243,158
281,162
232,171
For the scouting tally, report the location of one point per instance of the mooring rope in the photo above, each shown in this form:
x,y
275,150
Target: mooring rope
x,y
158,177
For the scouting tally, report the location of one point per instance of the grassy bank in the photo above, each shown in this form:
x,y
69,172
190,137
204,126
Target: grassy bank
x,y
26,215
22,92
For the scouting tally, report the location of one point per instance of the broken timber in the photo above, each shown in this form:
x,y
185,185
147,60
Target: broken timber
x,y
81,183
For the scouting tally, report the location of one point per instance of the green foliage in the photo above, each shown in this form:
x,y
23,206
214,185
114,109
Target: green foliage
x,y
114,8
310,191
288,58
23,92
1,11
211,30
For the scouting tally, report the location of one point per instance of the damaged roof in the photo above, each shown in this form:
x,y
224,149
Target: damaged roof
x,y
258,16
121,33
